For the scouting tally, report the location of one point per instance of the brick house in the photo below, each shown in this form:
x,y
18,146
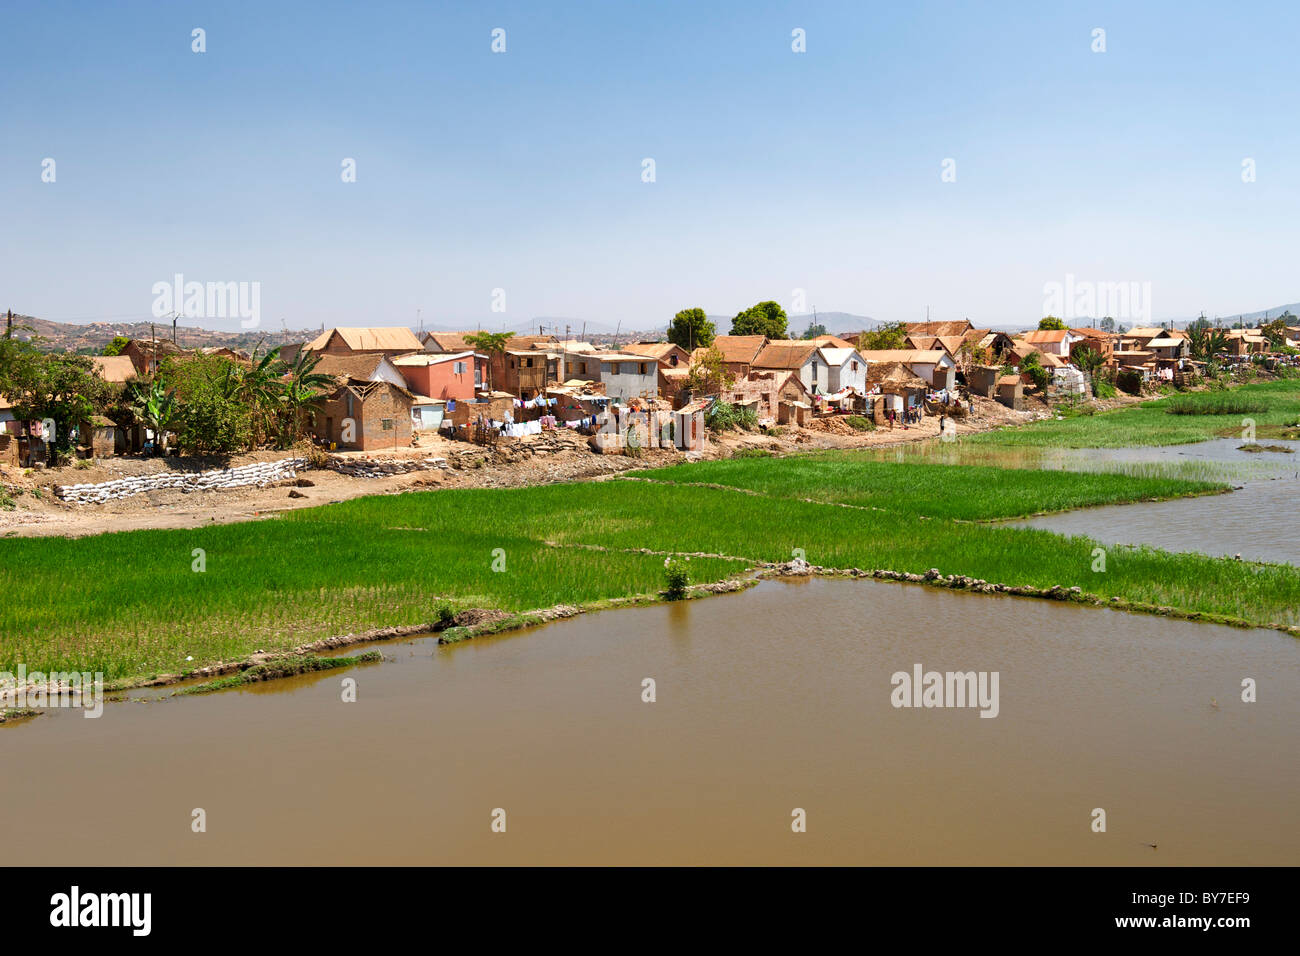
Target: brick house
x,y
354,341
365,416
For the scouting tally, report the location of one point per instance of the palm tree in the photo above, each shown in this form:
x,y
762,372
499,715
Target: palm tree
x,y
494,343
1207,343
259,385
301,391
155,406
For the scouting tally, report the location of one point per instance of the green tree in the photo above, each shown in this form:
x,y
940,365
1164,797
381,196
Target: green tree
x,y
691,329
493,343
709,375
1107,324
115,347
765,318
1032,365
888,336
303,390
1089,360
1205,343
1050,322
64,388
813,331
154,406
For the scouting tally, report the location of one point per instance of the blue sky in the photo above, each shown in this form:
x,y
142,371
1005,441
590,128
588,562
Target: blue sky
x,y
775,170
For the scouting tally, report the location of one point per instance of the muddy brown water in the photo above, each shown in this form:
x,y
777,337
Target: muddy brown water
x,y
768,700
1260,520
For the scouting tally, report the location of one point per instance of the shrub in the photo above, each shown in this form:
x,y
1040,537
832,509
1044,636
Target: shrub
x,y
678,578
1103,389
724,416
858,423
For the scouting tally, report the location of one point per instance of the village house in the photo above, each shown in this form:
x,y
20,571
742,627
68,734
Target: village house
x,y
765,390
935,366
1011,391
114,369
898,388
958,328
1103,343
147,354
1246,341
1169,348
1136,339
1052,341
453,375
802,358
668,354
397,340
363,367
445,343
738,352
365,416
846,368
627,376
831,342
525,372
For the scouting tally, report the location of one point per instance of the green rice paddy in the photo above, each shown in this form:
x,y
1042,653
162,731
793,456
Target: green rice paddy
x,y
132,606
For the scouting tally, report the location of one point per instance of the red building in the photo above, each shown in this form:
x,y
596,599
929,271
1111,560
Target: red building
x,y
447,376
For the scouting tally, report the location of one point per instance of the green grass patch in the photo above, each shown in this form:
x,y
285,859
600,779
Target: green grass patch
x,y
1272,407
962,492
130,605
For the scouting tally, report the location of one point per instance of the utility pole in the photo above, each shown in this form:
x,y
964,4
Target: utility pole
x,y
9,324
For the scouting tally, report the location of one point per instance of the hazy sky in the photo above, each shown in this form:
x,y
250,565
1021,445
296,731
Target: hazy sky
x,y
522,170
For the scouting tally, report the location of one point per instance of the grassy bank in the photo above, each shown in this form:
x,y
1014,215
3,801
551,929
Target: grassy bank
x,y
1173,420
131,605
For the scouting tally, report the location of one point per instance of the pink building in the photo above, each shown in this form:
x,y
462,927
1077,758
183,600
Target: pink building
x,y
453,375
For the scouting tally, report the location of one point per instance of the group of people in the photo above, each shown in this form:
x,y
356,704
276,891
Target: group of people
x,y
911,415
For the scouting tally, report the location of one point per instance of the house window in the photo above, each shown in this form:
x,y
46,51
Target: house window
x,y
854,365
459,368
528,363
643,368
582,368
386,424
673,360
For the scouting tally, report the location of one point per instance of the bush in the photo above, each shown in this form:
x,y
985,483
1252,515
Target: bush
x,y
858,423
1103,389
678,578
1130,380
724,416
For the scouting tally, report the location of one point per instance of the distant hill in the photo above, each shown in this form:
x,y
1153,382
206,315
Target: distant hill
x,y
91,338
1251,318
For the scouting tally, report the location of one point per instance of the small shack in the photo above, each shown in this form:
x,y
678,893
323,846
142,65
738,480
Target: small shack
x,y
899,388
1011,391
97,437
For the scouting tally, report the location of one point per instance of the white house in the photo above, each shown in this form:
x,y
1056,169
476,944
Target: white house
x,y
936,366
845,368
1053,341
